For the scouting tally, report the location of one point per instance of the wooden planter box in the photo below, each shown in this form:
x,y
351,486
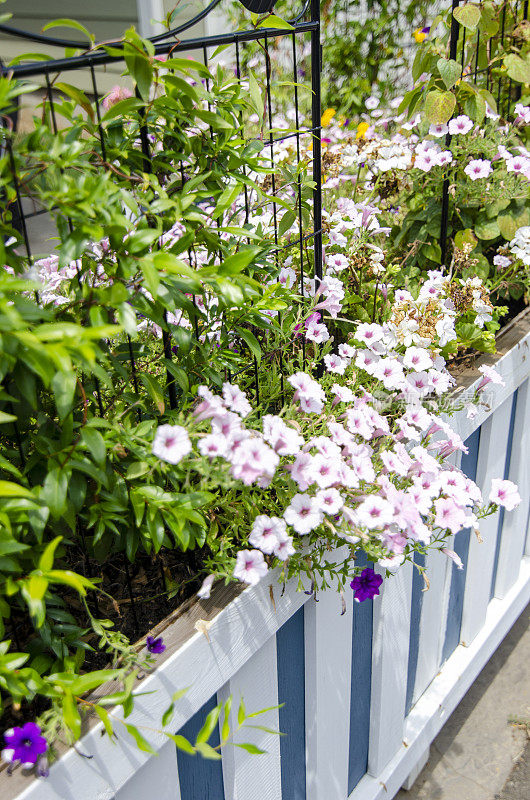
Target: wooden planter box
x,y
365,693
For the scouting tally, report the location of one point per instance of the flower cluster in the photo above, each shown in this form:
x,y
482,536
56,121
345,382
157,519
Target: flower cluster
x,y
358,457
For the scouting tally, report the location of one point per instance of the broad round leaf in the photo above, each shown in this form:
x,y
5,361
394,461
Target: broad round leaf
x,y
439,107
468,15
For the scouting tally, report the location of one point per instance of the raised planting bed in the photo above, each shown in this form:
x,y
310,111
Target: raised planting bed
x,y
365,691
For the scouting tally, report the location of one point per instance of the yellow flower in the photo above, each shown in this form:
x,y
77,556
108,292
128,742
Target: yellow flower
x,y
327,116
362,127
419,35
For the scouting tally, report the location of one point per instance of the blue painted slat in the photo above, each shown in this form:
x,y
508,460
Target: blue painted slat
x,y
361,670
501,512
458,576
290,650
200,778
415,618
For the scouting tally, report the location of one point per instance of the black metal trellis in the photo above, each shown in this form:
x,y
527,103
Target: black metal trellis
x,y
502,89
305,28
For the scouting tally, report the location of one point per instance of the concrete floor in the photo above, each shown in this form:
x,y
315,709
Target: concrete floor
x,y
483,752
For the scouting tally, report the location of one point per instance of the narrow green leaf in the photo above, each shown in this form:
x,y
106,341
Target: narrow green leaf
x,y
181,742
105,718
46,559
241,713
250,748
209,725
69,23
141,742
252,342
207,751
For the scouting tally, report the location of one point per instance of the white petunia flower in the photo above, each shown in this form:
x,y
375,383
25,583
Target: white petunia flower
x,y
171,443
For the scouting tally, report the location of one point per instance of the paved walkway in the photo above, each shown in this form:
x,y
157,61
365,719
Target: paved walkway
x,y
480,754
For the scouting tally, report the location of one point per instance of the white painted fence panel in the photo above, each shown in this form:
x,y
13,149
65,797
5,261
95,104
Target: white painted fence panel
x,y
514,527
328,654
390,653
257,684
494,438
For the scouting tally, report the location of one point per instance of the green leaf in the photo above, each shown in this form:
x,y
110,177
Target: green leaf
x,y
286,222
85,683
72,579
225,730
95,443
71,715
475,108
181,742
238,261
105,718
63,385
209,725
154,390
141,742
136,470
140,69
207,751
518,69
256,95
250,748
141,239
487,228
9,489
54,491
274,21
68,23
241,713
170,263
37,586
507,226
6,417
488,21
465,236
251,341
78,96
468,15
450,71
216,121
46,559
439,106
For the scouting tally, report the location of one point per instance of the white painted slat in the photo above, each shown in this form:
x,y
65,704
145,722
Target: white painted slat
x,y
390,653
245,776
513,532
432,620
455,459
434,608
158,777
494,436
328,654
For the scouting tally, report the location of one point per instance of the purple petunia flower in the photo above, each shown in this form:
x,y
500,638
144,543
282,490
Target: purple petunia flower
x,y
24,744
155,645
366,585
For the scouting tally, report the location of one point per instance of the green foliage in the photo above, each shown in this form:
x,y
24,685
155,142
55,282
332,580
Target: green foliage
x,y
84,374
